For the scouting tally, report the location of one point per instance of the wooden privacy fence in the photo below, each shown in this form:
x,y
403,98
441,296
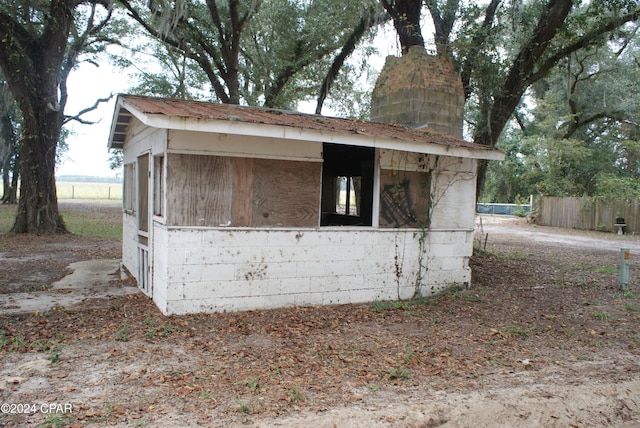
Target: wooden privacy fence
x,y
589,213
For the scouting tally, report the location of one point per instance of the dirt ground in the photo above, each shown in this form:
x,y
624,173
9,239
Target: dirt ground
x,y
544,337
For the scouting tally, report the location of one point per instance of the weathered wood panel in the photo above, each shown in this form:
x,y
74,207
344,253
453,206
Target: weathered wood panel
x,y
589,213
242,191
218,190
199,190
286,193
404,198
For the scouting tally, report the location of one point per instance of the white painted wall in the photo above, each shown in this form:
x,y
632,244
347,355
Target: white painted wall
x,y
232,269
218,269
453,193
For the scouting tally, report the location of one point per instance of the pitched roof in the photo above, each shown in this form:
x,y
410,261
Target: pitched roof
x,y
191,115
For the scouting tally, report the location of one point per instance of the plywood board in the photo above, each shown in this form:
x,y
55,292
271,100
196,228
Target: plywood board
x,y
286,193
242,191
404,198
199,190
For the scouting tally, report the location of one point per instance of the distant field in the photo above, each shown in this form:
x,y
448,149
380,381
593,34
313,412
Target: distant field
x,y
86,217
91,209
68,190
85,190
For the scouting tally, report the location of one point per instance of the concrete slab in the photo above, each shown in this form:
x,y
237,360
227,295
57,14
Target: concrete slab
x,y
90,279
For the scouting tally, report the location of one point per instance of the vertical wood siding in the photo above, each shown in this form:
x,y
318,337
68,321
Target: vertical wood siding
x,y
214,191
589,213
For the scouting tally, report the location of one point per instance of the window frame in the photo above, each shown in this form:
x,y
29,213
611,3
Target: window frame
x,y
350,162
159,162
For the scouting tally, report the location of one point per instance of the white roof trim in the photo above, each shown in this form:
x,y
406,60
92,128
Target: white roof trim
x,y
288,132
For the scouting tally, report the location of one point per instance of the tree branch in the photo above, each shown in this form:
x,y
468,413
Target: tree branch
x,y
583,42
576,124
366,22
468,65
78,118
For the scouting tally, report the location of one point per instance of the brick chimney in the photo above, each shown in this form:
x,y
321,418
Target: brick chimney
x,y
419,90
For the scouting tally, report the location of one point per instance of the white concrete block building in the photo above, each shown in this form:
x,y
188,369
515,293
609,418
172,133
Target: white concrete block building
x,y
230,208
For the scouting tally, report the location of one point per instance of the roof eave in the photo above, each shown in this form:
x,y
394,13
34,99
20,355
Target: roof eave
x,y
325,136
126,110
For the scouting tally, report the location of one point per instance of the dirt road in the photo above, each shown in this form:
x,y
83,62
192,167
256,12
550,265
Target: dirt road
x,y
515,229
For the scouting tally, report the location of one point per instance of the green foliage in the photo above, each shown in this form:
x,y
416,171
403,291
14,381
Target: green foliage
x,y
274,53
399,373
122,334
517,331
611,270
580,136
617,187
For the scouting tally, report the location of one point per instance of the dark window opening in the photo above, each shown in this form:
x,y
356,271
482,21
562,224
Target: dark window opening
x,y
347,185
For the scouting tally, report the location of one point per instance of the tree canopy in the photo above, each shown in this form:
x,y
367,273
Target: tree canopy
x,y
580,134
272,53
502,48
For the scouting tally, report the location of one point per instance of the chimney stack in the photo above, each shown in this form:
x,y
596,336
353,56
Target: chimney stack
x,y
419,90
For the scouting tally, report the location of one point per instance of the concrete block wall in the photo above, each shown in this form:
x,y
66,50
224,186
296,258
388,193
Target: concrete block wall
x,y
220,269
453,193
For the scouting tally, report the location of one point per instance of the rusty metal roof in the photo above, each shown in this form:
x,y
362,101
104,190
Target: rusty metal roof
x,y
253,115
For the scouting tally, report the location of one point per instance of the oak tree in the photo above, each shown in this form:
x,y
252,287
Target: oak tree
x,y
41,42
502,48
271,53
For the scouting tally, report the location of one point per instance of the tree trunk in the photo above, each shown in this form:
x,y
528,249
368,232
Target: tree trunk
x,y
406,20
32,64
38,204
9,184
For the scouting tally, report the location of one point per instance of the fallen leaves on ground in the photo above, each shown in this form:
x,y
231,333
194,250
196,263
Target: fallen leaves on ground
x,y
120,361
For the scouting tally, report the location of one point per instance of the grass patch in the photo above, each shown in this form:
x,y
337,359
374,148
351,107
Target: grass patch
x,y
602,316
624,295
156,329
380,306
252,384
632,308
244,407
7,217
582,267
82,224
12,343
295,394
514,255
517,331
87,222
122,334
54,421
466,297
611,270
501,255
207,395
72,190
399,373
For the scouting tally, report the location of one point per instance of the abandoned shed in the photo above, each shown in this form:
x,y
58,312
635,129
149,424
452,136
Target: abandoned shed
x,y
230,208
